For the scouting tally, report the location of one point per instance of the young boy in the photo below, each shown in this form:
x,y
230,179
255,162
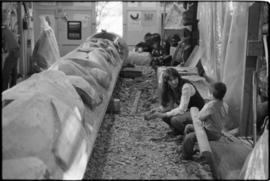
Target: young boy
x,y
213,116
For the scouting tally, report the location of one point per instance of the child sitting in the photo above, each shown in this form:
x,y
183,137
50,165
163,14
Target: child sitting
x,y
213,116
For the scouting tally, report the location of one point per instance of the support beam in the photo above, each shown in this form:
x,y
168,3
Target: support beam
x,y
253,51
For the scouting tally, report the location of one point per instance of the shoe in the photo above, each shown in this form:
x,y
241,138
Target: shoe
x,y
174,132
182,157
178,138
171,134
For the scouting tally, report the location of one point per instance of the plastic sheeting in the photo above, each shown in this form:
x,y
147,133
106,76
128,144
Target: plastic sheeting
x,y
174,18
256,166
223,36
46,50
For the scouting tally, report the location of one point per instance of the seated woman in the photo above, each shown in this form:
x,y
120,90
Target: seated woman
x,y
213,116
181,92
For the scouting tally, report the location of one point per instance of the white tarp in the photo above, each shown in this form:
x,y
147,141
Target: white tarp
x,y
256,166
46,50
223,36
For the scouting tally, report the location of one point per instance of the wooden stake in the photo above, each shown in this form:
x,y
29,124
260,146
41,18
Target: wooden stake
x,y
135,104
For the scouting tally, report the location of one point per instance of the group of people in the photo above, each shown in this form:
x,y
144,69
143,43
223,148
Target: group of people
x,y
160,52
177,97
164,52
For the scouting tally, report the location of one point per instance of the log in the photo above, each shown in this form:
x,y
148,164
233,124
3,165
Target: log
x,y
204,146
200,132
52,122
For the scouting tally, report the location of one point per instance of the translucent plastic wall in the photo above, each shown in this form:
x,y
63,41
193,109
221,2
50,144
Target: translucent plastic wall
x,y
223,30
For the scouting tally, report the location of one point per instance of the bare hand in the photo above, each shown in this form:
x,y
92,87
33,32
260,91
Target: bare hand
x,y
156,109
158,115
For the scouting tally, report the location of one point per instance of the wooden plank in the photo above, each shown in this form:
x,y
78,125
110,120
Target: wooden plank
x,y
200,132
135,104
254,106
235,139
245,125
130,73
202,140
255,48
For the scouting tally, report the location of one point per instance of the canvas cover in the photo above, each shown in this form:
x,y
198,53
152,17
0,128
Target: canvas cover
x,y
46,50
223,37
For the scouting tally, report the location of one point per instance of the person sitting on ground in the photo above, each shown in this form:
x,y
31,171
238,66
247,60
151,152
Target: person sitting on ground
x,y
213,116
144,46
161,54
176,90
174,39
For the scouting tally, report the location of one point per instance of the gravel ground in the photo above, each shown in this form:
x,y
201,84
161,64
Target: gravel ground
x,y
128,147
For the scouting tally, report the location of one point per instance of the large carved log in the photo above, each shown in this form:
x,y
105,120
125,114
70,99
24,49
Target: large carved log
x,y
50,121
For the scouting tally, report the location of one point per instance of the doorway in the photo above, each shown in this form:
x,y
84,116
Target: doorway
x,y
109,17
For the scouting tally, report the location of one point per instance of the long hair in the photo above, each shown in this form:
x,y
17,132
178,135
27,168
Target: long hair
x,y
166,90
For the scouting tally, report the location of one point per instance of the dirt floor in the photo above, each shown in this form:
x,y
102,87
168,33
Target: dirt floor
x,y
129,147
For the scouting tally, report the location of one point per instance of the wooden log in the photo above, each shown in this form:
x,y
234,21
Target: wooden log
x,y
64,143
200,132
204,146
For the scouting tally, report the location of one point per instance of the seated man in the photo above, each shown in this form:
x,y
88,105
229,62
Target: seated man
x,y
160,53
146,45
213,116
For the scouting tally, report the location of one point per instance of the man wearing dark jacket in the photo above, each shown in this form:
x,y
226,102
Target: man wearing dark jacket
x,y
11,46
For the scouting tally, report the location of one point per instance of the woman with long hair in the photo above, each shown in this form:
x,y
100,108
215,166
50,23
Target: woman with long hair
x,y
177,95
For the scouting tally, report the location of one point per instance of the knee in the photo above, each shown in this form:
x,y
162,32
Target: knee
x,y
190,137
178,124
173,119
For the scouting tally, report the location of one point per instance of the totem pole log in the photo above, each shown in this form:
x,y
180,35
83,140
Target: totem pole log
x,y
50,121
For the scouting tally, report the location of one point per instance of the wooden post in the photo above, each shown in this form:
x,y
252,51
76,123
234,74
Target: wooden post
x,y
202,140
135,104
254,106
254,49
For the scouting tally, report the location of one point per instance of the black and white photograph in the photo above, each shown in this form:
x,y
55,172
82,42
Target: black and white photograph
x,y
135,90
